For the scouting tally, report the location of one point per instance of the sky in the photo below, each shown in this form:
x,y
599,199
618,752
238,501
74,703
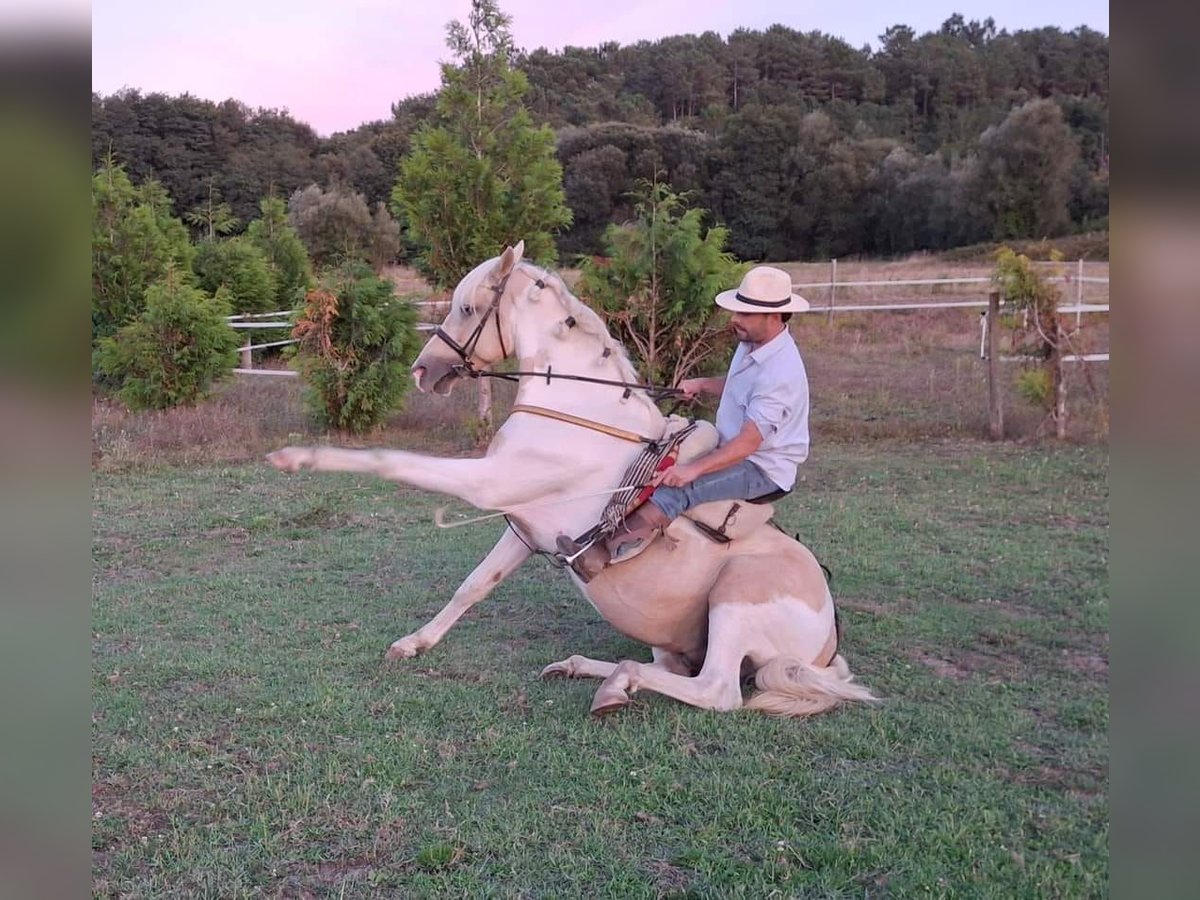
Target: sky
x,y
336,64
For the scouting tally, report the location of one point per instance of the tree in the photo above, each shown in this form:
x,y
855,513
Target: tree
x,y
484,177
284,253
174,350
1023,175
657,282
135,240
212,218
238,267
337,226
356,342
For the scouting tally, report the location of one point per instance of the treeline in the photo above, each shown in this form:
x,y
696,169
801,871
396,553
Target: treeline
x,y
804,146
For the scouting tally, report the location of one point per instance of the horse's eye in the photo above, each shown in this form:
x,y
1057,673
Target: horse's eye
x,y
468,311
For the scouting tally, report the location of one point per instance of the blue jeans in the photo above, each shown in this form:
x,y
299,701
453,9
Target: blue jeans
x,y
741,481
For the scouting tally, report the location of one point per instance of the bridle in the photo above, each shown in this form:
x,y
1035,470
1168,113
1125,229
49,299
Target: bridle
x,y
468,369
467,350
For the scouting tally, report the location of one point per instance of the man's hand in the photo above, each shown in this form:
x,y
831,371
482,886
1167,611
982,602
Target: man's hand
x,y
679,475
693,387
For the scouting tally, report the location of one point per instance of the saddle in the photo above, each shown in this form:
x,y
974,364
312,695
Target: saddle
x,y
722,520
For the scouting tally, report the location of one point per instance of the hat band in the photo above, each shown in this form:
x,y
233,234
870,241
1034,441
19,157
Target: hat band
x,y
771,303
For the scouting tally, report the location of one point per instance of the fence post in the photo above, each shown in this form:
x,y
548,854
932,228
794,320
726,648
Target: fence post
x,y
995,393
247,355
832,290
1078,292
1059,380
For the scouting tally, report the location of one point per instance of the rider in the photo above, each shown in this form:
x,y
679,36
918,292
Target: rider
x,y
762,421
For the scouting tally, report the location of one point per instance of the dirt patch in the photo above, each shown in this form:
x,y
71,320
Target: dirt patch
x,y
873,607
1085,663
994,665
668,878
315,879
110,801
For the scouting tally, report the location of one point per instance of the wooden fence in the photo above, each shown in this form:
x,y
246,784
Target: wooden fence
x,y
990,308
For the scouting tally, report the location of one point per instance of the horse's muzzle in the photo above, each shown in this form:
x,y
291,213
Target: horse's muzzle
x,y
439,379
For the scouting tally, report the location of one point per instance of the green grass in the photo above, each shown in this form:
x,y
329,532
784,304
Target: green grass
x,y
250,740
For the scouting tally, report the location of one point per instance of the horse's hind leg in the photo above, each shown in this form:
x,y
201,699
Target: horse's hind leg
x,y
510,551
583,667
717,686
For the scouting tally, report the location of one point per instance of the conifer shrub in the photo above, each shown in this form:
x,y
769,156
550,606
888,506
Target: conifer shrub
x,y
356,341
174,351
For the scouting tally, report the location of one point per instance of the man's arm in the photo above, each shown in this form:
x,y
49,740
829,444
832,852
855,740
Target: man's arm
x,y
693,386
743,444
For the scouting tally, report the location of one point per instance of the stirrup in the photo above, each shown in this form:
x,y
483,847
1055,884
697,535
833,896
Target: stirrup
x,y
570,550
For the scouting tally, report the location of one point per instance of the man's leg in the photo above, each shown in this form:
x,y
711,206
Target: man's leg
x,y
741,481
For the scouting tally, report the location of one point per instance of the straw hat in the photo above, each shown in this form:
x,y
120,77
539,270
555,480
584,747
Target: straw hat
x,y
764,289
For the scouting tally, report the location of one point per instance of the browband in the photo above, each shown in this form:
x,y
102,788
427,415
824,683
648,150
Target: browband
x,y
753,302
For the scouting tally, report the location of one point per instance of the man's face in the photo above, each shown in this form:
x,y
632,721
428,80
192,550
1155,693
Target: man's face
x,y
755,328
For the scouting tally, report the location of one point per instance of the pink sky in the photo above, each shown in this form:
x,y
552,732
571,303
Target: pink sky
x,y
336,65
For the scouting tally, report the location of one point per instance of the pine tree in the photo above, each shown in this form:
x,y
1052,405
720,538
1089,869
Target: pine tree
x,y
135,241
484,177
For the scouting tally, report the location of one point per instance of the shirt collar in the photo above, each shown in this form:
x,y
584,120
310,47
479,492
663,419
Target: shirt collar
x,y
771,347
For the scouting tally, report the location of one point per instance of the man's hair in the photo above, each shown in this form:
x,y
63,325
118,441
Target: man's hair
x,y
786,317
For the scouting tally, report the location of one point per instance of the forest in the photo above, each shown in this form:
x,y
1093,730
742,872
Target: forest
x,y
803,146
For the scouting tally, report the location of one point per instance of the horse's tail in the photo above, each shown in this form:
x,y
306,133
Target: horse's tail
x,y
789,687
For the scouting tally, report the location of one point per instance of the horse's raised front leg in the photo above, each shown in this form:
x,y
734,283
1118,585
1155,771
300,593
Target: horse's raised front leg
x,y
482,482
501,562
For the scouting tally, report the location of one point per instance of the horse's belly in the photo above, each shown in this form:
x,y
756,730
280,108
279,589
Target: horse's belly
x,y
656,600
675,623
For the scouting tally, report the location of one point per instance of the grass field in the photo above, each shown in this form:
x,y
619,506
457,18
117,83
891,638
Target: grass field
x,y
249,739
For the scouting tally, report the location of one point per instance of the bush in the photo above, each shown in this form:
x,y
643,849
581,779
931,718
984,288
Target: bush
x,y
174,351
239,267
356,342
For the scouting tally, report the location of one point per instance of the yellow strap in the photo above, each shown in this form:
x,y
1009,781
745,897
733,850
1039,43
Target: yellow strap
x,y
583,423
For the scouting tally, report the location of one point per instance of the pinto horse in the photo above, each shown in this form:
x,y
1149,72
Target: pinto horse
x,y
713,613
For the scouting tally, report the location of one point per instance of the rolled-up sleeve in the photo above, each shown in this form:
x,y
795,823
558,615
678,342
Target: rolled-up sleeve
x,y
768,409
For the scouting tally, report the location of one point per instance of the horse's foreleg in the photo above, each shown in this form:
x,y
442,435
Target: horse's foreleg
x,y
717,686
503,560
583,667
479,482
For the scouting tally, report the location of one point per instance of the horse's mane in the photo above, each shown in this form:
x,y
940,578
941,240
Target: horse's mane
x,y
588,321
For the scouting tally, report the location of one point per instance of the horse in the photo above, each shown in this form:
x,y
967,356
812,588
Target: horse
x,y
713,613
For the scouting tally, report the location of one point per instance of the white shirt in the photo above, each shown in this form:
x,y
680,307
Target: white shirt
x,y
769,387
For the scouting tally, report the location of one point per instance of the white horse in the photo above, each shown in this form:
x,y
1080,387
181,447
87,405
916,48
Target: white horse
x,y
713,613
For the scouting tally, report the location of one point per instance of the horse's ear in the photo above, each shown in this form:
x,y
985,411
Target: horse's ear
x,y
510,257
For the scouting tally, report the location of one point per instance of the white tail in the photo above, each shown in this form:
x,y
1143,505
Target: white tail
x,y
789,687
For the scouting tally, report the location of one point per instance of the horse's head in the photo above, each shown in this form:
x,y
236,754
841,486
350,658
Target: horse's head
x,y
476,332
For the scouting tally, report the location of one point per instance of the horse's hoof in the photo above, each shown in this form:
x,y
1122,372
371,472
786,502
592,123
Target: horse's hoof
x,y
289,459
564,668
403,649
608,702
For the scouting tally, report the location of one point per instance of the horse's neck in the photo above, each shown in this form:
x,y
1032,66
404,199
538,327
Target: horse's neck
x,y
575,352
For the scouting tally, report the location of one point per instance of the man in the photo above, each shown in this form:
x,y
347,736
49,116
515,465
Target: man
x,y
762,421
